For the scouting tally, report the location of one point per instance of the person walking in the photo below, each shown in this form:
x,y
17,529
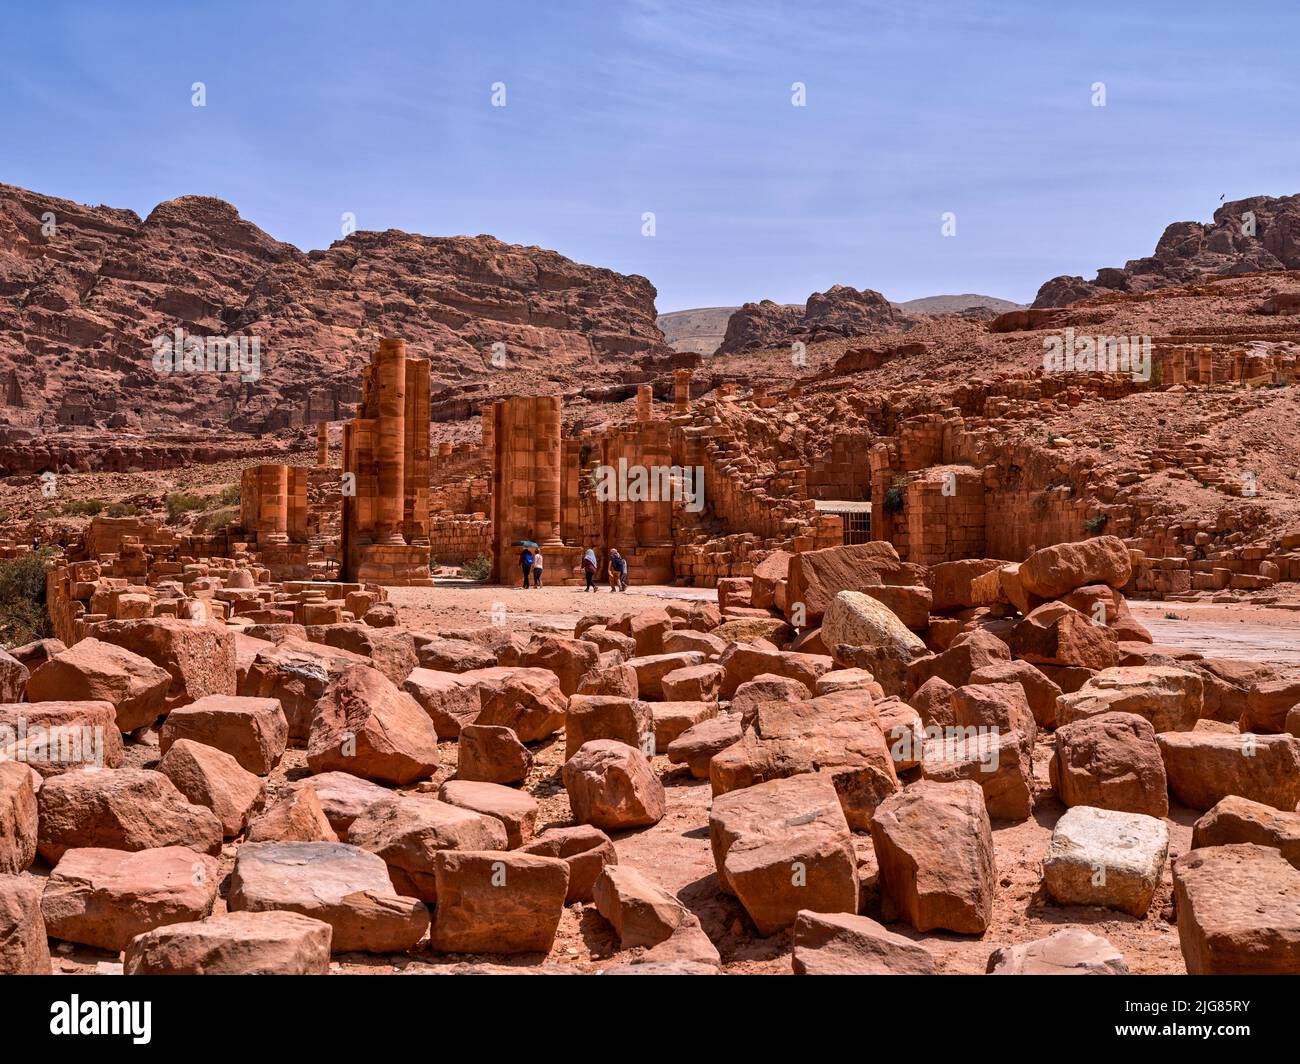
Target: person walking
x,y
537,567
617,571
589,567
526,563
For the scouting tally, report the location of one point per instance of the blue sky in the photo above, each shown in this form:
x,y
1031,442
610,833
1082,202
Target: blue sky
x,y
683,109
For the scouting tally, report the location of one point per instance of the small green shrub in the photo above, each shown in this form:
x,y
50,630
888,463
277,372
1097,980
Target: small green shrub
x,y
228,496
124,509
23,616
84,507
1095,525
181,502
479,568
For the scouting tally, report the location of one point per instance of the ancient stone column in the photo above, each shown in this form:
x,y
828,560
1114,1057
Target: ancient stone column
x,y
547,457
274,488
390,440
322,443
416,455
488,418
1205,365
645,398
681,391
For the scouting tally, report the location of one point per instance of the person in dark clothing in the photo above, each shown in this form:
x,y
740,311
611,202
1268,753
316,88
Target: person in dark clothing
x,y
617,571
589,567
526,564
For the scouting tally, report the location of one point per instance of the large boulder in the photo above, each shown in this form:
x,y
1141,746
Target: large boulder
x,y
199,656
1268,704
697,745
121,809
742,662
343,885
1057,634
528,701
784,846
1073,951
104,898
854,619
817,576
586,849
344,797
409,831
253,731
210,777
296,817
613,786
1169,698
569,659
239,943
24,947
1238,911
92,670
296,673
367,726
491,754
1039,689
1057,570
390,650
451,702
1106,857
14,675
1111,761
651,669
844,944
1205,767
491,902
18,818
57,737
606,717
934,848
517,810
838,736
1236,820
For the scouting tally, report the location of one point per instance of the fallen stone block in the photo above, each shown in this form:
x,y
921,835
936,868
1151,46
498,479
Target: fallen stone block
x,y
784,846
1236,820
1073,951
212,778
490,902
95,671
18,819
344,886
1110,761
1106,857
613,786
491,754
253,731
586,849
24,947
845,944
934,848
1203,768
238,943
104,898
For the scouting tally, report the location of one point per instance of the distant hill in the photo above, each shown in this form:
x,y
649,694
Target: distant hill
x,y
701,330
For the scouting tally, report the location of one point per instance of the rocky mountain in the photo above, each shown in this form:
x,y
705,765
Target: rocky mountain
x,y
835,314
1246,236
703,329
85,292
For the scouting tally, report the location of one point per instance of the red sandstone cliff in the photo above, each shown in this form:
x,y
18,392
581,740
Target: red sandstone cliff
x,y
82,299
1252,235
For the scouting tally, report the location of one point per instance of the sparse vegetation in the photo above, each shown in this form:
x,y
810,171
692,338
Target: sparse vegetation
x,y
1096,525
479,568
84,507
124,509
23,617
182,502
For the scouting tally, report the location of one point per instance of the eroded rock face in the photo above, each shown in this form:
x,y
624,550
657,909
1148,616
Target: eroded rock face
x,y
1189,251
227,277
838,312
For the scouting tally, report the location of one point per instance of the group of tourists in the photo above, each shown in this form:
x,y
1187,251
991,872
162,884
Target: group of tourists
x,y
532,566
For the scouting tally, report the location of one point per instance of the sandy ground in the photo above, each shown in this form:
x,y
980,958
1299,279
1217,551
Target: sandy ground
x,y
675,852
